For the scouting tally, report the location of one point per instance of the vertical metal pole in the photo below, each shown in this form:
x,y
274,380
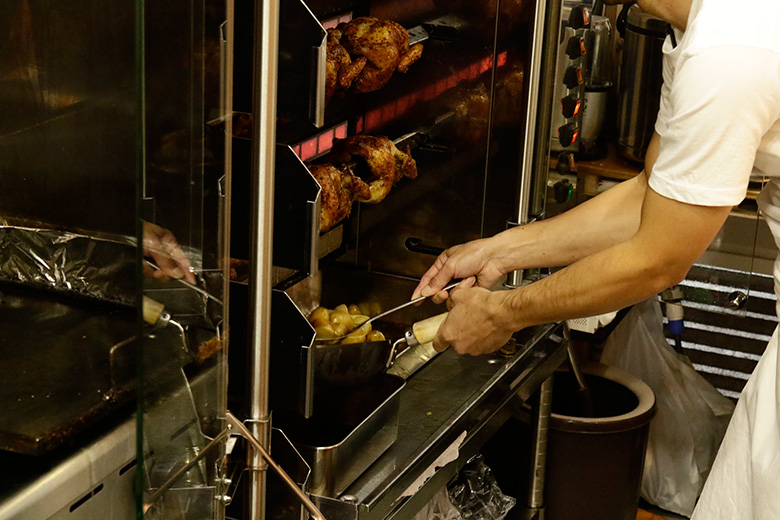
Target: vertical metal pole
x,y
547,19
226,110
265,63
540,421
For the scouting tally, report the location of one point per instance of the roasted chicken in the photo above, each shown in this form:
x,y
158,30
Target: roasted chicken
x,y
340,70
378,161
359,168
340,188
383,43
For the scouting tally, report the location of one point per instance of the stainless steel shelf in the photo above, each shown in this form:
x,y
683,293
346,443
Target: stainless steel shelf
x,y
451,397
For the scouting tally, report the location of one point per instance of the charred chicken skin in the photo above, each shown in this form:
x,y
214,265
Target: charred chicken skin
x,y
385,163
340,188
340,70
383,43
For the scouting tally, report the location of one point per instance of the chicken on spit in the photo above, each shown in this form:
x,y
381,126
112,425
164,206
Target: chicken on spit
x,y
383,43
340,188
378,160
386,164
340,70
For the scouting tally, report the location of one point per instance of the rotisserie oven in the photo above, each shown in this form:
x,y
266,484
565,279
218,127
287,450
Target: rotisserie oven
x,y
387,152
183,172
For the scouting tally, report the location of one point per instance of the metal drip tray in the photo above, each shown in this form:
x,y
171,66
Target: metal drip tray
x,y
349,431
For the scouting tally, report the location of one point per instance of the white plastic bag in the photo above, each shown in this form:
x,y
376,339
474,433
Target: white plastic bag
x,y
691,415
439,508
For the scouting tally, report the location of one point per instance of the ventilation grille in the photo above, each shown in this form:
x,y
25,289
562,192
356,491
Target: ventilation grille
x,y
725,345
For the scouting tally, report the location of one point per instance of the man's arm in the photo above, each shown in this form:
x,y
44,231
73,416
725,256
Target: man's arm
x,y
601,222
670,237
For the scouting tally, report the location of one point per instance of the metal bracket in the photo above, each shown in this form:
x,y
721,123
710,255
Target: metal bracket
x,y
236,427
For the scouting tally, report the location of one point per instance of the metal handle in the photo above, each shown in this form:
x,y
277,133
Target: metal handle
x,y
391,311
233,422
411,302
416,245
424,331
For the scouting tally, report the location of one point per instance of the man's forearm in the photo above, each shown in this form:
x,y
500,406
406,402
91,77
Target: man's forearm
x,y
657,256
603,282
606,220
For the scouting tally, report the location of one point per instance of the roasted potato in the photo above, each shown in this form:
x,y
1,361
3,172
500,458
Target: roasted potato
x,y
375,335
344,320
318,314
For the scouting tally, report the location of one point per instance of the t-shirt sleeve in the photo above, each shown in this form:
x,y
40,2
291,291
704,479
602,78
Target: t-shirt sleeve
x,y
713,116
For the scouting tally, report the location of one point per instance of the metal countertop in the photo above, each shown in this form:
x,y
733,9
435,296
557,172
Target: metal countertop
x,y
449,397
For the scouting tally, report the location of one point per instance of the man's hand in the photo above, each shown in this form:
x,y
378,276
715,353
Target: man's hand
x,y
477,322
471,259
161,246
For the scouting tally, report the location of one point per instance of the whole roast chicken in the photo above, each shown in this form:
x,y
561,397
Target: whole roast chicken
x,y
340,188
384,163
360,168
340,70
383,43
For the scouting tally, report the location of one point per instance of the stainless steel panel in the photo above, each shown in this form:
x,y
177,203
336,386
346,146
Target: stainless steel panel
x,y
349,432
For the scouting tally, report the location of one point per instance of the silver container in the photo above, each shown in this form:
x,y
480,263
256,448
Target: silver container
x,y
350,430
640,82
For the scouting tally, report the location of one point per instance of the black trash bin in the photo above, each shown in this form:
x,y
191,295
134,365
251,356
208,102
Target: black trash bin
x,y
594,464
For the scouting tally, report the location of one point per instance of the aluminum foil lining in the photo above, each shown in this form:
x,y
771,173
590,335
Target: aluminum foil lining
x,y
66,262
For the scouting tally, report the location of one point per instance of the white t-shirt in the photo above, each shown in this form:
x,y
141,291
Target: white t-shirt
x,y
719,116
719,121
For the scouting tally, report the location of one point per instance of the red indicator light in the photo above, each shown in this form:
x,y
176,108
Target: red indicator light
x,y
502,59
